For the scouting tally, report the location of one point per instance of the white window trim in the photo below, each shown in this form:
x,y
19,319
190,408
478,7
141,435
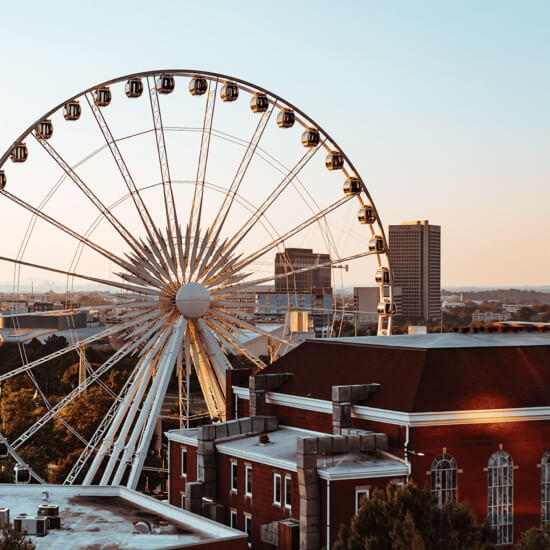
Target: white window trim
x,y
182,496
247,475
277,479
233,514
248,519
288,505
234,478
361,490
183,453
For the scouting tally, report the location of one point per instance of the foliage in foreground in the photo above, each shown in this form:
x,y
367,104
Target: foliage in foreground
x,y
536,538
407,518
10,540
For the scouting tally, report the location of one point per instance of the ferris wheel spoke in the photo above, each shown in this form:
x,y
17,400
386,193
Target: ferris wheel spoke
x,y
99,434
140,205
223,212
211,390
233,320
110,256
223,331
125,415
287,180
67,349
113,360
227,290
168,359
215,354
105,212
196,205
133,288
169,203
258,254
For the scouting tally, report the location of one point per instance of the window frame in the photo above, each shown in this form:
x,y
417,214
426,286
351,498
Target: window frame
x,y
288,492
182,499
183,462
444,480
233,516
248,526
545,488
234,476
247,479
500,496
277,484
360,491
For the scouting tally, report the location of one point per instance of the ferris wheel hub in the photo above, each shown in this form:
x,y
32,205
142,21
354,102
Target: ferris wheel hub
x,y
193,300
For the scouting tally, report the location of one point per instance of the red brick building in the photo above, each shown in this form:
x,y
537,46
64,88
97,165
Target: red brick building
x,y
466,414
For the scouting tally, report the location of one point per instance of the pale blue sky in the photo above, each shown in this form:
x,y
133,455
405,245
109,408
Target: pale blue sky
x,y
444,107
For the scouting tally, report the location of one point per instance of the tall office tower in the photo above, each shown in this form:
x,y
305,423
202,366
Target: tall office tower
x,y
415,256
293,259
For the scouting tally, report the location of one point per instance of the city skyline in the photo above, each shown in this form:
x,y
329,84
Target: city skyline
x,y
449,119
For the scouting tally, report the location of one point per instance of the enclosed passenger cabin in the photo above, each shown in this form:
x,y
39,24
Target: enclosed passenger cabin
x,y
134,87
366,215
376,244
311,137
229,91
352,186
72,110
382,276
22,474
44,129
198,85
165,84
3,450
102,96
19,153
3,179
259,103
386,307
286,118
334,160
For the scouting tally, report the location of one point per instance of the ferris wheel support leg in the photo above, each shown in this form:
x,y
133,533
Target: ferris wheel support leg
x,y
169,359
108,439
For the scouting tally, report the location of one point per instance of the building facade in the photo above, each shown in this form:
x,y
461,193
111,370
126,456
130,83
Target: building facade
x,y
294,259
415,255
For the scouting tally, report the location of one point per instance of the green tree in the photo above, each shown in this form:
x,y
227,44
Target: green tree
x,y
400,518
536,538
10,540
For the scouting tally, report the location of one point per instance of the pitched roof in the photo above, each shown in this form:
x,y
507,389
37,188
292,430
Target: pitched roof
x,y
426,373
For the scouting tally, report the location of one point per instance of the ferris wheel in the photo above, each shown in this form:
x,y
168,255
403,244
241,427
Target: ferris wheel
x,y
179,191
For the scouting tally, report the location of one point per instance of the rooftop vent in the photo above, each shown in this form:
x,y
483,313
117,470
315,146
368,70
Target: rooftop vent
x,y
263,439
142,527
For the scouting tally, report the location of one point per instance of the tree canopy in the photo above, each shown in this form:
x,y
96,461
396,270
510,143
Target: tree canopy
x,y
408,518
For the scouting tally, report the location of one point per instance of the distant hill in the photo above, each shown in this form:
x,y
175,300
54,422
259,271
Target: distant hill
x,y
505,295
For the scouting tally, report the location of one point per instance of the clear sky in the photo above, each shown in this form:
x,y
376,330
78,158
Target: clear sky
x,y
444,107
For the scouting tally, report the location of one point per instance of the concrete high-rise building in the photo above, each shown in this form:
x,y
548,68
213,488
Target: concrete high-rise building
x,y
415,256
294,259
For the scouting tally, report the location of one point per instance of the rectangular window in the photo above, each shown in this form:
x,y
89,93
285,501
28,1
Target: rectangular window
x,y
248,526
248,481
234,476
361,494
277,489
184,462
288,492
233,519
236,406
183,499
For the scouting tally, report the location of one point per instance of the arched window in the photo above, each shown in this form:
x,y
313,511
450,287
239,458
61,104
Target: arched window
x,y
545,488
500,496
444,479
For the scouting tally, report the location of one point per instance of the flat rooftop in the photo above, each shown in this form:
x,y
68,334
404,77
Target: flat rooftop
x,y
280,452
447,340
103,517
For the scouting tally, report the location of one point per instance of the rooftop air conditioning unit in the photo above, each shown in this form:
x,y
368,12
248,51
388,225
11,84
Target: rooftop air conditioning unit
x,y
29,525
4,517
51,512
